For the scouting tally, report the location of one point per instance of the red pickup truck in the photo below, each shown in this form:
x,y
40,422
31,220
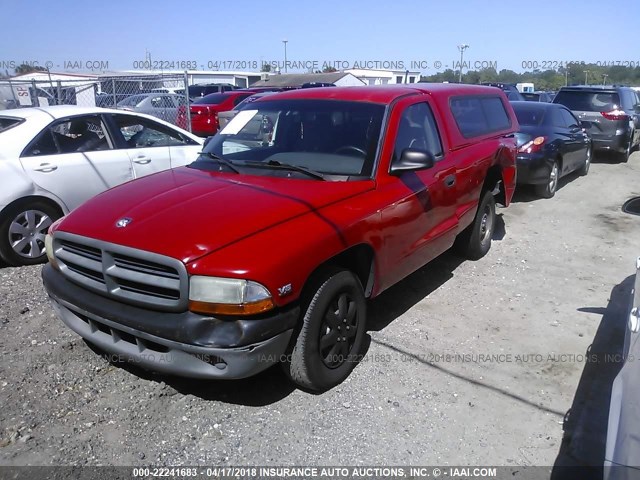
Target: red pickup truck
x,y
267,247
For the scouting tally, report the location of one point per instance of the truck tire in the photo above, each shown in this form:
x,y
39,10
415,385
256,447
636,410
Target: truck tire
x,y
328,345
22,231
475,241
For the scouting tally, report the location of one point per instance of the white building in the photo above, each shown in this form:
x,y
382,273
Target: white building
x,y
296,80
238,78
385,77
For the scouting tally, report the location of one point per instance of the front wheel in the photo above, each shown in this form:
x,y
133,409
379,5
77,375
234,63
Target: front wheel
x,y
23,228
475,241
328,346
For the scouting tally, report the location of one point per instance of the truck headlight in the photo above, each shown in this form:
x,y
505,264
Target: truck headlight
x,y
48,246
228,296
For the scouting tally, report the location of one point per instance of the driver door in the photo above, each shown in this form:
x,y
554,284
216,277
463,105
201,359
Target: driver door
x,y
420,222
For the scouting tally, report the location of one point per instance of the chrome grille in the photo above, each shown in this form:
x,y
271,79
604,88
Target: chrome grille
x,y
133,276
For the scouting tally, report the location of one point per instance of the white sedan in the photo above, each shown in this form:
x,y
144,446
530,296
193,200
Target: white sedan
x,y
53,159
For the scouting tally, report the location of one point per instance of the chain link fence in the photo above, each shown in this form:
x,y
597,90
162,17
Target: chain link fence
x,y
163,96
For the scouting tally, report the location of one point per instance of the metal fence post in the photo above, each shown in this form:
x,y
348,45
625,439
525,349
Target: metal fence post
x,y
15,99
113,90
59,92
35,100
186,98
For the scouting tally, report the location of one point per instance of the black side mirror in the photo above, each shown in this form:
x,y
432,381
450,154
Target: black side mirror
x,y
637,108
206,141
411,160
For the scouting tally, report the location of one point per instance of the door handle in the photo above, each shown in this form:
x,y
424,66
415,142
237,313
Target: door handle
x,y
450,181
142,160
46,168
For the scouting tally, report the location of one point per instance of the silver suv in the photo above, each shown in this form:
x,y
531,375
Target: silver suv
x,y
611,115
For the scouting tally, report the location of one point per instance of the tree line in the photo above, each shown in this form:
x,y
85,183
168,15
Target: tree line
x,y
573,74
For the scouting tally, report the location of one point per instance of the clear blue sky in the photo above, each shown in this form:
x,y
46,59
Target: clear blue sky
x,y
508,32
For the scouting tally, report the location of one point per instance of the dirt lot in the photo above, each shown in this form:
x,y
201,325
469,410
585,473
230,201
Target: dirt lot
x,y
464,362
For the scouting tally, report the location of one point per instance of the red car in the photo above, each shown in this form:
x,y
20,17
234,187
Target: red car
x,y
204,111
267,248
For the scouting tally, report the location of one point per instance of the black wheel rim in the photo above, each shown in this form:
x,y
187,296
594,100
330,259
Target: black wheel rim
x,y
338,330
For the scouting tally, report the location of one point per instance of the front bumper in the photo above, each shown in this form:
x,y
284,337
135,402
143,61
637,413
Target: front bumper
x,y
183,344
533,168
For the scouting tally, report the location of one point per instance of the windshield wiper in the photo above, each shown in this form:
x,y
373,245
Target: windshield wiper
x,y
223,161
285,166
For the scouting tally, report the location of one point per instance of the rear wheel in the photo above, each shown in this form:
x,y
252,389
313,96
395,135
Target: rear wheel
x,y
475,241
548,189
22,231
328,346
587,163
624,156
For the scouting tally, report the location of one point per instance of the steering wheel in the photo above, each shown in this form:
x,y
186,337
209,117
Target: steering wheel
x,y
350,148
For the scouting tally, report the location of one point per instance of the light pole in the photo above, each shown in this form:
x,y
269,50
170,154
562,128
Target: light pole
x,y
462,48
604,78
285,54
586,76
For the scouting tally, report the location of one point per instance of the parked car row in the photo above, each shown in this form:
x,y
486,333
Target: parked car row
x,y
48,152
558,138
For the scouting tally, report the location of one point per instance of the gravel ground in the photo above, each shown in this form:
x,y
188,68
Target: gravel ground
x,y
539,293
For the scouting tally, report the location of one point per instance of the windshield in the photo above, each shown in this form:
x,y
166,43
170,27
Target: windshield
x,y
212,99
588,101
326,136
529,116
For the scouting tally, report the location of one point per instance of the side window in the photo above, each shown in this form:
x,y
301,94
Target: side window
x,y
417,130
479,115
628,99
494,112
156,102
76,134
44,144
143,133
168,102
569,119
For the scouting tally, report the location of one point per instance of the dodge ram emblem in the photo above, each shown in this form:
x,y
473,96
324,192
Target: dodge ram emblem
x,y
123,222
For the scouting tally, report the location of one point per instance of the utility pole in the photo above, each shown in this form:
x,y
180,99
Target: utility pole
x,y
586,76
285,54
604,78
462,48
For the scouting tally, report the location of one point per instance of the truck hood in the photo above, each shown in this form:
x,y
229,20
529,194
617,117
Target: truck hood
x,y
186,213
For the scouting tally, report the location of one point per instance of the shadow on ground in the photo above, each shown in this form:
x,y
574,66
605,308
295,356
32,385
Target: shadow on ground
x,y
527,193
263,389
585,426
